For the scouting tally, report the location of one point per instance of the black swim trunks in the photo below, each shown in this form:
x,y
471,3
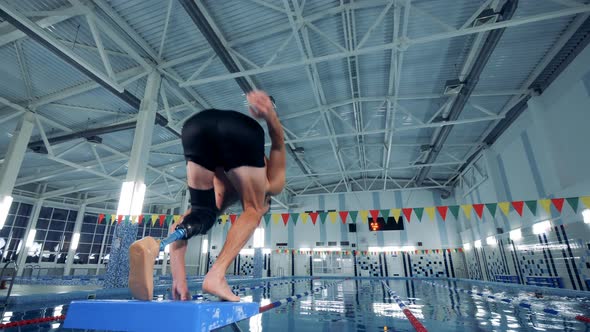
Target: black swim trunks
x,y
229,139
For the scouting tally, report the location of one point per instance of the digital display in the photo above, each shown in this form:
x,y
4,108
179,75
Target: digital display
x,y
391,224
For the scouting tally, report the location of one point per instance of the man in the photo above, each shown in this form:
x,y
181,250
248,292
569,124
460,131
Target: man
x,y
225,159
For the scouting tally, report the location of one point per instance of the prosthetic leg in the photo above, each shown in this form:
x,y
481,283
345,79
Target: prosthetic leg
x,y
143,253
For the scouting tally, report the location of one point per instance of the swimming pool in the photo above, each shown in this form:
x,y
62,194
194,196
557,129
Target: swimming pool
x,y
358,304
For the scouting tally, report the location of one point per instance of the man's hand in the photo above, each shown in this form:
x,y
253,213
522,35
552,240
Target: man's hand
x,y
261,106
180,290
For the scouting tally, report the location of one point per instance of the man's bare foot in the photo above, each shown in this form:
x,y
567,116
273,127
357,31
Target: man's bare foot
x,y
142,255
215,284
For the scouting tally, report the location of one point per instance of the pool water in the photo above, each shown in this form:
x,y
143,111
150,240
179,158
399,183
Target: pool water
x,y
365,305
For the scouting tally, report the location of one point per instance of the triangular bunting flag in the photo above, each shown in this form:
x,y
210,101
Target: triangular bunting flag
x,y
407,213
113,218
364,215
140,219
126,219
505,208
492,208
232,218
304,217
573,202
314,217
294,217
478,210
558,203
224,218
442,210
332,216
385,214
133,219
169,220
275,218
353,215
430,212
176,218
374,214
586,201
285,217
518,206
454,211
419,212
100,217
532,205
119,219
467,210
343,216
323,216
267,219
396,213
162,219
546,204
154,218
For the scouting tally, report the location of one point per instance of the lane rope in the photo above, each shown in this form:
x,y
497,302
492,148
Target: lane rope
x,y
413,320
286,300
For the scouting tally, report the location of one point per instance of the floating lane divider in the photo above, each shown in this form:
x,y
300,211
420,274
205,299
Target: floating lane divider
x,y
413,320
284,301
32,321
515,302
261,286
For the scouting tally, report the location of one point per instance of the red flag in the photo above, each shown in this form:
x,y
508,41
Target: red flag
x,y
478,209
314,217
558,203
119,219
139,219
343,216
374,214
407,213
285,217
232,218
518,206
162,219
442,210
100,217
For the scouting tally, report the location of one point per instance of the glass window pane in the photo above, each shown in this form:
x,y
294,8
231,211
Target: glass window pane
x,y
13,208
21,221
25,209
88,228
45,212
86,237
72,216
59,214
54,236
57,225
42,224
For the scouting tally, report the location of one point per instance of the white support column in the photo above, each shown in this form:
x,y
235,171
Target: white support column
x,y
71,250
12,162
31,225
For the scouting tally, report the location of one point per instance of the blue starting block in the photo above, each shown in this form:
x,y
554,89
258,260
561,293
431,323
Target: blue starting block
x,y
156,316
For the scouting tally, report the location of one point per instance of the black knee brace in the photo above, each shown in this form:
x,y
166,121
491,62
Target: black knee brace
x,y
203,214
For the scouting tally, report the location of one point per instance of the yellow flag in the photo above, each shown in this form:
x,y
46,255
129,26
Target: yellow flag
x,y
133,219
430,212
586,201
154,218
505,208
332,216
396,213
546,204
113,217
467,210
275,218
304,216
176,218
364,215
224,218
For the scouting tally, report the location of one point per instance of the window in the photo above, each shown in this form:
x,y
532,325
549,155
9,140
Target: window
x,y
52,239
91,235
13,232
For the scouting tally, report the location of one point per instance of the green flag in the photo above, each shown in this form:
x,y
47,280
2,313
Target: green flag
x,y
454,210
573,202
267,218
385,214
168,220
532,205
323,216
353,215
294,217
126,219
492,208
419,212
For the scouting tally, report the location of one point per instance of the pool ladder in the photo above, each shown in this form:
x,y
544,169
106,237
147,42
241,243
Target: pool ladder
x,y
8,274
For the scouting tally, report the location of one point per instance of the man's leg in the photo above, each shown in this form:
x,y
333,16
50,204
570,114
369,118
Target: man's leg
x,y
251,183
143,253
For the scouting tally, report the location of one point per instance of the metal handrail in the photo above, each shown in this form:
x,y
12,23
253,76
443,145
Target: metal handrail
x,y
13,276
